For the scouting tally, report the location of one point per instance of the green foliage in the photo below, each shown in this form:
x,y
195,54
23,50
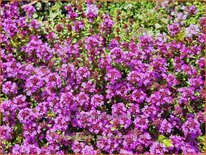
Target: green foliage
x,y
146,18
164,140
202,143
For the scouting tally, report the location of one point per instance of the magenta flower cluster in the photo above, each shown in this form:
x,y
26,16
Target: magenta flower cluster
x,y
99,94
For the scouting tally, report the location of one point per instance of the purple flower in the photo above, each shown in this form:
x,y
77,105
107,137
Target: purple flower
x,y
33,83
119,109
112,75
78,25
203,22
114,43
91,12
97,100
192,30
88,87
191,128
82,73
150,111
133,109
26,115
82,99
107,24
29,9
67,70
138,96
7,107
117,54
61,123
122,151
160,97
9,88
31,149
20,102
171,79
145,139
192,10
157,148
42,108
201,63
134,77
53,80
189,149
71,13
177,142
165,127
181,17
16,149
59,27
5,133
141,122
174,28
88,149
51,36
34,24
77,147
130,140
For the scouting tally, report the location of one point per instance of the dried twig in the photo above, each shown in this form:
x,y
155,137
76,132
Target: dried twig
x,y
23,6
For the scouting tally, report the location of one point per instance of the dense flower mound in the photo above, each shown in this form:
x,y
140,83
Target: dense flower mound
x,y
94,78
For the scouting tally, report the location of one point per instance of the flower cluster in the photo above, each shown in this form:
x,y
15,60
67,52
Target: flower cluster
x,y
86,81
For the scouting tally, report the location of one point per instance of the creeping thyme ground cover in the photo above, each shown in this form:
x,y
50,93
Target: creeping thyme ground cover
x,y
102,77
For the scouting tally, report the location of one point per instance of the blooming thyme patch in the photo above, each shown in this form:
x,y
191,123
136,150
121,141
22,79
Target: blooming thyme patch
x,y
102,77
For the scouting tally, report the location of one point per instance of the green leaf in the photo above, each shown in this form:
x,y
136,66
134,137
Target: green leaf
x,y
150,32
35,15
164,20
164,140
38,6
167,142
180,35
74,40
18,128
113,129
140,16
161,138
128,6
69,137
157,26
